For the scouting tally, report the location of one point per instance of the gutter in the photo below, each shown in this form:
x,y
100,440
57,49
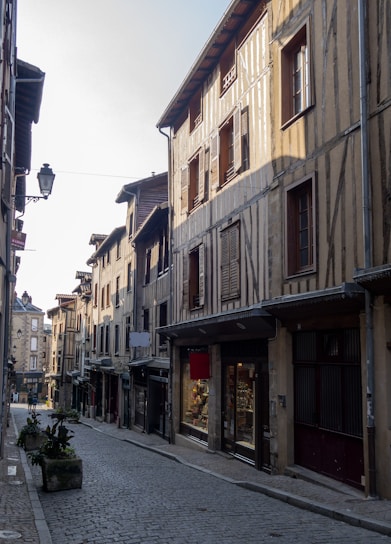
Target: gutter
x,y
368,249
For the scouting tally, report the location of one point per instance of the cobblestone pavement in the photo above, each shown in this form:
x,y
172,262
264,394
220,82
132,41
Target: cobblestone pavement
x,y
140,495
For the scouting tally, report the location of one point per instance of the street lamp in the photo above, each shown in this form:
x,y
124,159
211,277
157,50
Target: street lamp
x,y
25,298
45,180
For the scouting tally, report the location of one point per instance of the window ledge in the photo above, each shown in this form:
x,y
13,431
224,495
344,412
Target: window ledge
x,y
297,116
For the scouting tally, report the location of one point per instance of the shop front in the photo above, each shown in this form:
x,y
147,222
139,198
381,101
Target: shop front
x,y
195,372
245,405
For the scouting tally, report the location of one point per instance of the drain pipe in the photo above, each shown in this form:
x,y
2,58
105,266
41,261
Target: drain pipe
x,y
367,233
171,433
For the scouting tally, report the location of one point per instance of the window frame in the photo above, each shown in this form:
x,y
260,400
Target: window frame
x,y
298,44
293,246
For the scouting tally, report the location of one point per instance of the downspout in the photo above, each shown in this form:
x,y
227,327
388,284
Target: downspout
x,y
171,433
367,233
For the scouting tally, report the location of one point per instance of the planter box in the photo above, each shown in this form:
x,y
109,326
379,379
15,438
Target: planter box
x,y
34,441
61,474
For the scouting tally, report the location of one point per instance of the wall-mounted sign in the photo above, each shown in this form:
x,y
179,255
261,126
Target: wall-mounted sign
x,y
18,239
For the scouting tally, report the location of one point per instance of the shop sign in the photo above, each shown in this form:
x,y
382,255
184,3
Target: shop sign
x,y
18,239
199,366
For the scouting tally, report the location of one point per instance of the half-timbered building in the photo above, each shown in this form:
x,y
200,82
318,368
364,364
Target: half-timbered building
x,y
280,233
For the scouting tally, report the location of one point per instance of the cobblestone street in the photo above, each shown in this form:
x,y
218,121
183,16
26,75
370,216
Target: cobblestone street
x,y
133,495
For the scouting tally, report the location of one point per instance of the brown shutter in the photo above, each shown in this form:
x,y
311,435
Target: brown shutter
x,y
185,282
214,161
234,241
185,189
201,175
224,264
237,140
201,271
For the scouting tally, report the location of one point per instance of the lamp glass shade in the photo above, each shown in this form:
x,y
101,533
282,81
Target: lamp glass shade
x,y
25,298
45,179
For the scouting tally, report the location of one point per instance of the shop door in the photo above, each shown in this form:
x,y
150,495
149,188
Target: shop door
x,y
140,412
239,410
158,403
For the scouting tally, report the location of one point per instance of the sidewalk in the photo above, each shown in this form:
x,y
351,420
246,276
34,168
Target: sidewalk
x,y
21,512
301,488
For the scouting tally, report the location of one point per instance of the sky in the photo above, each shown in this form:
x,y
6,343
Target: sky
x,y
111,69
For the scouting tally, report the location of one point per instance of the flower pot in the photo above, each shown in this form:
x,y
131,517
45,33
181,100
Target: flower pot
x,y
62,474
33,441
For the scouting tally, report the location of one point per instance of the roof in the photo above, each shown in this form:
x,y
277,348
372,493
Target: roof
x,y
236,14
28,97
106,243
128,191
18,306
151,222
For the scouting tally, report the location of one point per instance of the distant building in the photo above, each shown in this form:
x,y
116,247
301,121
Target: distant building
x,y
28,348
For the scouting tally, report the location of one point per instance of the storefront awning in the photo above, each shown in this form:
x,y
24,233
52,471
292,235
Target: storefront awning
x,y
151,362
377,279
344,299
252,322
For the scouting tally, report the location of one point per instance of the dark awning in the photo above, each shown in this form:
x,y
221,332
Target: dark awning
x,y
376,279
346,298
253,322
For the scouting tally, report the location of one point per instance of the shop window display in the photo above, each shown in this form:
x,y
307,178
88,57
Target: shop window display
x,y
195,395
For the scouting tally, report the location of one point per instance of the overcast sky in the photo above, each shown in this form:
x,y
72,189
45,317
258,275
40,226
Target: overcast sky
x,y
111,70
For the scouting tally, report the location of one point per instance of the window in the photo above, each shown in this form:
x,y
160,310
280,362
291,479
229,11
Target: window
x,y
196,181
33,362
107,295
130,225
234,154
147,277
295,76
94,338
163,251
34,324
116,340
102,298
117,292
228,67
195,110
96,295
195,282
101,339
300,228
107,339
108,256
34,343
129,278
127,333
230,262
146,319
162,322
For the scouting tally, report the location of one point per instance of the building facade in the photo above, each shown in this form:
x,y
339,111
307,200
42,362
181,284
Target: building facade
x,y
280,240
29,348
21,87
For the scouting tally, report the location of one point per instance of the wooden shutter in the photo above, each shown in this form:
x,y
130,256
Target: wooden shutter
x,y
237,140
214,161
185,282
201,270
230,262
234,251
184,189
201,175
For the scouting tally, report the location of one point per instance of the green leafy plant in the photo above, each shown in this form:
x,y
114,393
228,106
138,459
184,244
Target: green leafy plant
x,y
32,428
70,414
57,443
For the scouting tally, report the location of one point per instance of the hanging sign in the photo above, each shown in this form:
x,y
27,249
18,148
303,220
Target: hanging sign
x,y
199,366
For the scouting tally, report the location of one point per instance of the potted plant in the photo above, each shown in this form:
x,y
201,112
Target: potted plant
x,y
31,436
61,467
